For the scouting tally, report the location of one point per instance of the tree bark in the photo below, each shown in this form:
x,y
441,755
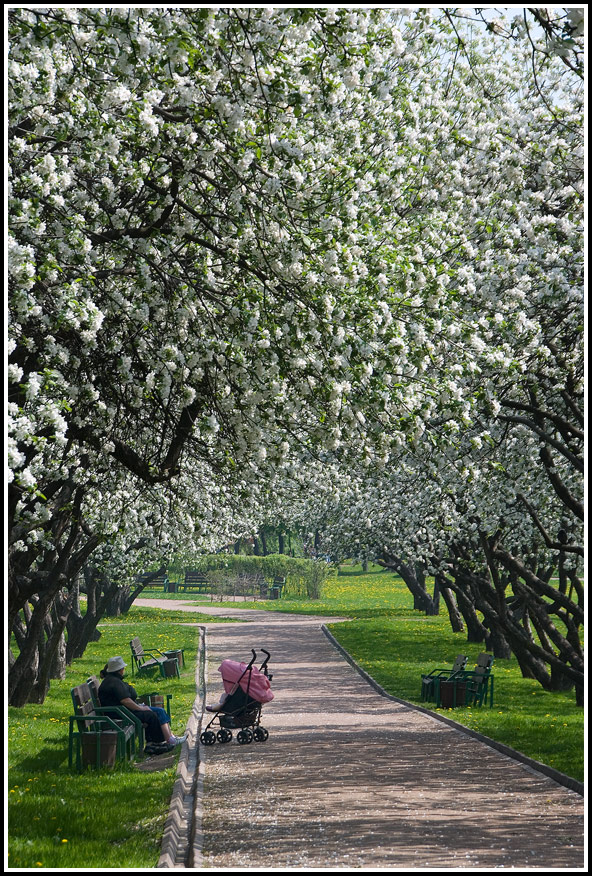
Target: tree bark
x,y
456,621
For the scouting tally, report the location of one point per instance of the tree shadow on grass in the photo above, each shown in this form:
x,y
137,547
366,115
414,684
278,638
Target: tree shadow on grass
x,y
52,757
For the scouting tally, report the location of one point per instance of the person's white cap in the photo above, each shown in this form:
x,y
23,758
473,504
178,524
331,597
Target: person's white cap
x,y
115,663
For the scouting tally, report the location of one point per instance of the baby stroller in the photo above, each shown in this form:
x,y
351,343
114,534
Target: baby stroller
x,y
247,688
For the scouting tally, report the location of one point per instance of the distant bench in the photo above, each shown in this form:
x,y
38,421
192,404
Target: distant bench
x,y
148,660
200,582
274,590
149,579
196,580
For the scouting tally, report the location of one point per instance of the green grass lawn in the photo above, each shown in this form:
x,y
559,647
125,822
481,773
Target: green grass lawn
x,y
108,819
544,725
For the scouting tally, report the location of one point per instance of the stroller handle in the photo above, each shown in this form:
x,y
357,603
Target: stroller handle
x,y
263,667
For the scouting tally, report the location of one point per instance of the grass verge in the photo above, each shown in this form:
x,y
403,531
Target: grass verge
x,y
96,819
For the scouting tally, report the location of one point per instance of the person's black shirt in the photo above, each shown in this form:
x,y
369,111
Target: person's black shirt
x,y
113,689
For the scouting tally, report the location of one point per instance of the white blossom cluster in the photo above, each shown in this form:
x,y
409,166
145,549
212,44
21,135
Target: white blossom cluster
x,y
244,239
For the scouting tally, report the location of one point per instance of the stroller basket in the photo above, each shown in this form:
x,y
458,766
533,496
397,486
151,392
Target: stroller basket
x,y
247,688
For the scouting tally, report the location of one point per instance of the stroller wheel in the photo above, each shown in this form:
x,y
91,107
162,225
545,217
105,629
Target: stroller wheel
x,y
243,737
208,737
224,735
260,734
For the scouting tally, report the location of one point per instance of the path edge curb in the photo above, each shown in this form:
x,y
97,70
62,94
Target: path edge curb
x,y
561,779
181,839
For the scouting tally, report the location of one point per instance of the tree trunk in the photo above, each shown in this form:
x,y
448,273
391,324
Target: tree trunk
x,y
476,632
23,674
560,681
414,578
497,644
82,629
456,621
52,647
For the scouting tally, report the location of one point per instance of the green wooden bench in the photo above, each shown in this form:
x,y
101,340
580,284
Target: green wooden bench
x,y
149,699
146,661
196,580
95,738
158,581
274,590
93,684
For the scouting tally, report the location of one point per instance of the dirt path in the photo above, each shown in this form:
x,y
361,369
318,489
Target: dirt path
x,y
351,779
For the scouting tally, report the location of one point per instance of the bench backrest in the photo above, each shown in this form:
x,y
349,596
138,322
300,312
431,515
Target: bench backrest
x,y
459,663
93,686
483,665
150,579
83,705
136,647
194,577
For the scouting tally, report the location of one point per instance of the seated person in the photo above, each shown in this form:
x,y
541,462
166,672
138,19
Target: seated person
x,y
114,691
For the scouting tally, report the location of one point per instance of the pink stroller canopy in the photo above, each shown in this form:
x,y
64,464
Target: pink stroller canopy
x,y
257,685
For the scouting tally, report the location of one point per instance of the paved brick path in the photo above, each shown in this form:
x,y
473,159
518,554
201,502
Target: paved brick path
x,y
351,779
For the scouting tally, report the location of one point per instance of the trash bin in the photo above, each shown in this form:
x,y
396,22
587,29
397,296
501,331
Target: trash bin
x,y
176,654
171,668
156,699
452,694
172,587
107,744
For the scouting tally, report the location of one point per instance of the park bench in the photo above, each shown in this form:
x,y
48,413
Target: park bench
x,y
430,682
145,661
97,738
197,580
93,685
160,580
273,590
469,687
150,699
